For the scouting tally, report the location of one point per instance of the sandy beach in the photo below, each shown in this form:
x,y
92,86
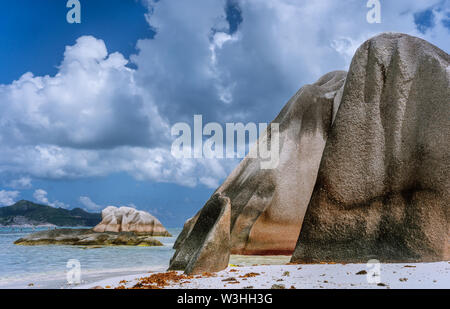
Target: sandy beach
x,y
301,276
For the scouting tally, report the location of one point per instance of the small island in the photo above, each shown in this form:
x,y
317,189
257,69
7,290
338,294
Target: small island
x,y
124,226
86,237
29,214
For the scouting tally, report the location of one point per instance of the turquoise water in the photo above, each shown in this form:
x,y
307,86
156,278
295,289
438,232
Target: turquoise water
x,y
45,266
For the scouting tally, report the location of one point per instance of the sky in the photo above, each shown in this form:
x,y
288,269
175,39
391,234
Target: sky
x,y
86,109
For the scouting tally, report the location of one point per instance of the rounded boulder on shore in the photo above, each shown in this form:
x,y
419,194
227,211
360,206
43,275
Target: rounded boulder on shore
x,y
127,219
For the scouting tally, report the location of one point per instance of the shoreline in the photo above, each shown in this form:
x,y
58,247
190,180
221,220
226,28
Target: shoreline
x,y
299,276
58,280
45,267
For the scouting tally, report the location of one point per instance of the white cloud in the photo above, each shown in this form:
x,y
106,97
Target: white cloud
x,y
8,198
91,103
85,121
154,164
20,183
210,182
131,205
89,204
98,116
40,196
194,66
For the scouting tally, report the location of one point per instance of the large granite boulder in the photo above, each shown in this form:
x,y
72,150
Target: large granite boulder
x,y
383,187
267,205
127,219
377,143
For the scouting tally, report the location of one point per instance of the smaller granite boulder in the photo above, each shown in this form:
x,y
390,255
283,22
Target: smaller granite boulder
x,y
127,219
207,247
187,228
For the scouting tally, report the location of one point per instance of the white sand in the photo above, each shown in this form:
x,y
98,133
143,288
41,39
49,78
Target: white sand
x,y
317,276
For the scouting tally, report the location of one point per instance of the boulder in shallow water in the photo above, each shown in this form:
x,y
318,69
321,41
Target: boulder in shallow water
x,y
86,237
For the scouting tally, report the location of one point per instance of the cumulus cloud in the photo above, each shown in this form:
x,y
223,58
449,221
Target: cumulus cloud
x,y
197,64
131,205
152,164
8,198
40,196
90,119
92,102
229,60
89,204
20,183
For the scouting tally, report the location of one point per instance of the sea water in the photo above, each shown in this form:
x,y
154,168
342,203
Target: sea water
x,y
46,266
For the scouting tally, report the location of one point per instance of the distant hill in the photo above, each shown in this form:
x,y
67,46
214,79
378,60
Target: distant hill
x,y
28,213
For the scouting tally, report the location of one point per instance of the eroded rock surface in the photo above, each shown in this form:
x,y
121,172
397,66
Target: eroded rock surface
x,y
383,188
86,237
268,205
364,155
207,247
127,219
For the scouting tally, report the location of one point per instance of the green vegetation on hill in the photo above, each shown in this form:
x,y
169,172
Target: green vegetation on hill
x,y
25,212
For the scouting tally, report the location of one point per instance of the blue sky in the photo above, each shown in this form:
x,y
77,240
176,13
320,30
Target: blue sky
x,y
40,27
89,126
